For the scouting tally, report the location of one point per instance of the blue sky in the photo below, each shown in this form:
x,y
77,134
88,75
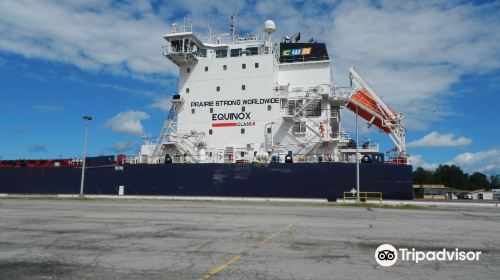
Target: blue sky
x,y
437,63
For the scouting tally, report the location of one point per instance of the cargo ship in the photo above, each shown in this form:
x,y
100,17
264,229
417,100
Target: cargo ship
x,y
252,118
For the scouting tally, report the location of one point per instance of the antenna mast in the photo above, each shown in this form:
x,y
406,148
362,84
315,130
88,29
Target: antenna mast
x,y
234,23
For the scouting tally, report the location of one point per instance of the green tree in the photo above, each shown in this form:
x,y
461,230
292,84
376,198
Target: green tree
x,y
451,176
422,176
495,181
478,181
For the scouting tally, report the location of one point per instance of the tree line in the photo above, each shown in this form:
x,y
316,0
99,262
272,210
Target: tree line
x,y
453,176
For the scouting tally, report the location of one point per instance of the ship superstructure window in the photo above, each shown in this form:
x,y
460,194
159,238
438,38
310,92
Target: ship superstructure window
x,y
243,87
242,154
269,107
299,127
269,130
206,68
242,131
192,111
243,66
187,90
220,53
202,53
252,51
224,67
243,109
188,70
256,65
235,52
211,110
210,133
217,88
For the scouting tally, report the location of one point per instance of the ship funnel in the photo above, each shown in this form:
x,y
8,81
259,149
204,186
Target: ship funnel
x,y
295,37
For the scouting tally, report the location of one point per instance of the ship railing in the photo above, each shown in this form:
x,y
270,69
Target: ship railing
x,y
168,49
174,28
364,196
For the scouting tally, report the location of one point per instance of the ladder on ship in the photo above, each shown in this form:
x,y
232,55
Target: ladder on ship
x,y
166,131
311,95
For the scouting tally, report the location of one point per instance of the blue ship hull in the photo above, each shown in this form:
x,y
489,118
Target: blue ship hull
x,y
307,180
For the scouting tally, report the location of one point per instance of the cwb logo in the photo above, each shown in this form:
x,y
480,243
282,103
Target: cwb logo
x,y
292,52
386,255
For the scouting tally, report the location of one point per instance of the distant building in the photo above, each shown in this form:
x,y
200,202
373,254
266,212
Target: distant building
x,y
482,195
429,191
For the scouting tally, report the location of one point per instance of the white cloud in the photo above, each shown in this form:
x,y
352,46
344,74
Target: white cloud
x,y
128,122
88,34
435,139
485,161
121,147
164,104
418,161
411,52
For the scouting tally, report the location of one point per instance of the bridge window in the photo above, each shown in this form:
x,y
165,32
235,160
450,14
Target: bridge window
x,y
220,53
256,65
235,52
202,53
252,51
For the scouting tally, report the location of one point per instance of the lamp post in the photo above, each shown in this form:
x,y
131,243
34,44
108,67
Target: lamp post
x,y
357,158
86,119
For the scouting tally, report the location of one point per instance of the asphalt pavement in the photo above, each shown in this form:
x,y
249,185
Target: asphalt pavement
x,y
74,239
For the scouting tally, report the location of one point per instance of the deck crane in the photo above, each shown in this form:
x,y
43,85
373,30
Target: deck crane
x,y
376,112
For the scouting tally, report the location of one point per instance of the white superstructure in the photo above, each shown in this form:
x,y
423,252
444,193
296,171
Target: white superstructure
x,y
248,99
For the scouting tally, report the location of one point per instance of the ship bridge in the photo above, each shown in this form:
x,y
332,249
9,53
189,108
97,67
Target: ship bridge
x,y
184,45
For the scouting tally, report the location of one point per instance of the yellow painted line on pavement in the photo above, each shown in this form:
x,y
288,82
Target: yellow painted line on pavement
x,y
272,235
221,267
234,259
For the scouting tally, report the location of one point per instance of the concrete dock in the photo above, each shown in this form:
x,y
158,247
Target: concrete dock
x,y
128,239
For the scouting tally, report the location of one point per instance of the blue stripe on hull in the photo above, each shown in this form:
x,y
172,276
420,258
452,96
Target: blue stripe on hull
x,y
318,180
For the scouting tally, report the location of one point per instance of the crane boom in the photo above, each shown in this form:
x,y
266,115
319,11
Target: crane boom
x,y
373,109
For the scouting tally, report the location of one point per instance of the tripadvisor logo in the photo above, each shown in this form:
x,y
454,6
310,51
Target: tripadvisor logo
x,y
387,255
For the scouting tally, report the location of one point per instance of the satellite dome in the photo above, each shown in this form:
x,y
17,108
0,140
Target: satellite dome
x,y
269,26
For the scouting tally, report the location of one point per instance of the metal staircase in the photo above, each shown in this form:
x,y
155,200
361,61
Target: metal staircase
x,y
309,144
168,129
301,104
